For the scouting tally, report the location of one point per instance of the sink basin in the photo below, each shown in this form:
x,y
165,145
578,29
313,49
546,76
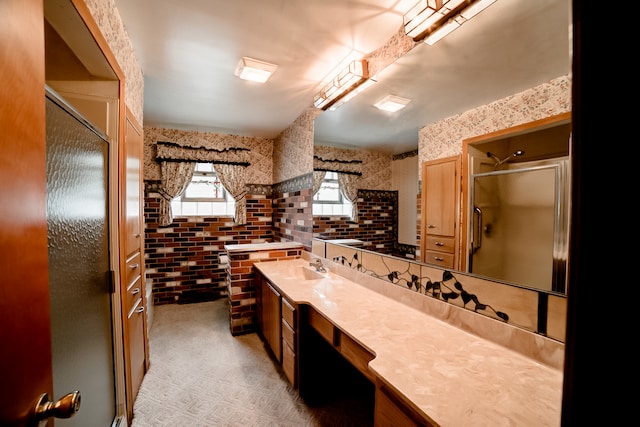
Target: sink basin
x,y
302,273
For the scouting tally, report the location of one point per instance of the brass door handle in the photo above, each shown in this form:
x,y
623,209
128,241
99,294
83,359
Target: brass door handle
x,y
65,407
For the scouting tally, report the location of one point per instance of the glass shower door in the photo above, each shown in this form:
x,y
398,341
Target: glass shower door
x,y
79,268
517,224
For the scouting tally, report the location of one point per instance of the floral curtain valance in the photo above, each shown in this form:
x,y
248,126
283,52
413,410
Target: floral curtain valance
x,y
173,152
352,167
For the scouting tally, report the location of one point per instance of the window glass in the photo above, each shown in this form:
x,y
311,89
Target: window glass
x,y
329,200
205,195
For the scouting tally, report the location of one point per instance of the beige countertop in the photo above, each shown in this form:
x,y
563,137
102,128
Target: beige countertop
x,y
453,377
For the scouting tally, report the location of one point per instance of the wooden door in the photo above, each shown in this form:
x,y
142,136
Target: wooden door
x,y
25,352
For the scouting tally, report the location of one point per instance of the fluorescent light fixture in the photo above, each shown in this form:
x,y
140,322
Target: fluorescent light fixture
x,y
347,80
359,89
254,70
443,30
431,20
475,8
392,103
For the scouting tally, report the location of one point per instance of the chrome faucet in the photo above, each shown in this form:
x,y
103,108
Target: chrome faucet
x,y
317,263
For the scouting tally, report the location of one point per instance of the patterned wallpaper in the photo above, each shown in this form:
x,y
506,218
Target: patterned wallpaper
x,y
398,45
444,138
376,167
293,148
259,172
107,17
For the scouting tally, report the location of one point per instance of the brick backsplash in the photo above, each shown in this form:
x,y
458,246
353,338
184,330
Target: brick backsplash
x,y
293,217
377,222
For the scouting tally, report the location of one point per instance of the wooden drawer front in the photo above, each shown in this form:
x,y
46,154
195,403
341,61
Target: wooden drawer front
x,y
289,313
133,293
322,325
136,344
440,243
288,334
133,268
439,258
289,363
357,355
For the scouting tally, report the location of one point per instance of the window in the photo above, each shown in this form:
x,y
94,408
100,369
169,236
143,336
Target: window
x,y
329,200
205,195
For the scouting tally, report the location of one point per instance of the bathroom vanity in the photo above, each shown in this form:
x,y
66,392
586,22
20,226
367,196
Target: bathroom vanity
x,y
425,371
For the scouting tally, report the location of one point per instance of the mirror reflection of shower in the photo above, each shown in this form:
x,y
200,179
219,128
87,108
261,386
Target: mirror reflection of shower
x,y
499,162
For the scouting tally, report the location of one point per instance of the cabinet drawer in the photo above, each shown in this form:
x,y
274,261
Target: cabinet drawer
x,y
439,258
288,334
289,363
133,268
322,326
289,313
133,293
357,355
440,243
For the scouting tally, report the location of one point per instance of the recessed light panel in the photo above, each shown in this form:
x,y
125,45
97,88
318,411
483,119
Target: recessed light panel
x,y
254,70
392,103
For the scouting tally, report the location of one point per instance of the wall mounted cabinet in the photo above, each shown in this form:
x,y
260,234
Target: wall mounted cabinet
x,y
440,212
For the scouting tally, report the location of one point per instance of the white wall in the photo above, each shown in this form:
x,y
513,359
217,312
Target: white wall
x,y
403,179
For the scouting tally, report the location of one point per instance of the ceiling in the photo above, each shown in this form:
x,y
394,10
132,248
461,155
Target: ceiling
x,y
189,49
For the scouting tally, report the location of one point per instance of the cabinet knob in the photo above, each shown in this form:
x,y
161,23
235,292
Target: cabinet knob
x,y
431,226
439,244
437,258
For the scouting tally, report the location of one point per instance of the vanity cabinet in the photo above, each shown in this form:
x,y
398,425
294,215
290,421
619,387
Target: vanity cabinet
x,y
133,300
440,212
278,323
289,341
270,317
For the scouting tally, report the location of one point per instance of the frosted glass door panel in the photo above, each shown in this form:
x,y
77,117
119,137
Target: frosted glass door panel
x,y
78,232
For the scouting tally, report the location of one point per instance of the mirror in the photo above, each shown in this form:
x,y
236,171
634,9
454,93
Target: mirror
x,y
515,221
471,67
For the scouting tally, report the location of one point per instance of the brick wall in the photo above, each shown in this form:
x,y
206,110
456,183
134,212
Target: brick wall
x,y
186,261
242,287
377,222
293,211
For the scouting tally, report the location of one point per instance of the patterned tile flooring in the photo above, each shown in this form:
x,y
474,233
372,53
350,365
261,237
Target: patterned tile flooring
x,y
201,375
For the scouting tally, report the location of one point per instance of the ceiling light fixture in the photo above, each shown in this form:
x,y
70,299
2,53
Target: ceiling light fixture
x,y
431,20
392,103
360,88
254,70
347,80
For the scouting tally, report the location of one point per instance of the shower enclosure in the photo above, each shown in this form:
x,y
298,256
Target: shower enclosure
x,y
519,222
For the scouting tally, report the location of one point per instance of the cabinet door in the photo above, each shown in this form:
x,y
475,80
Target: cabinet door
x,y
440,212
441,192
271,318
133,294
133,146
